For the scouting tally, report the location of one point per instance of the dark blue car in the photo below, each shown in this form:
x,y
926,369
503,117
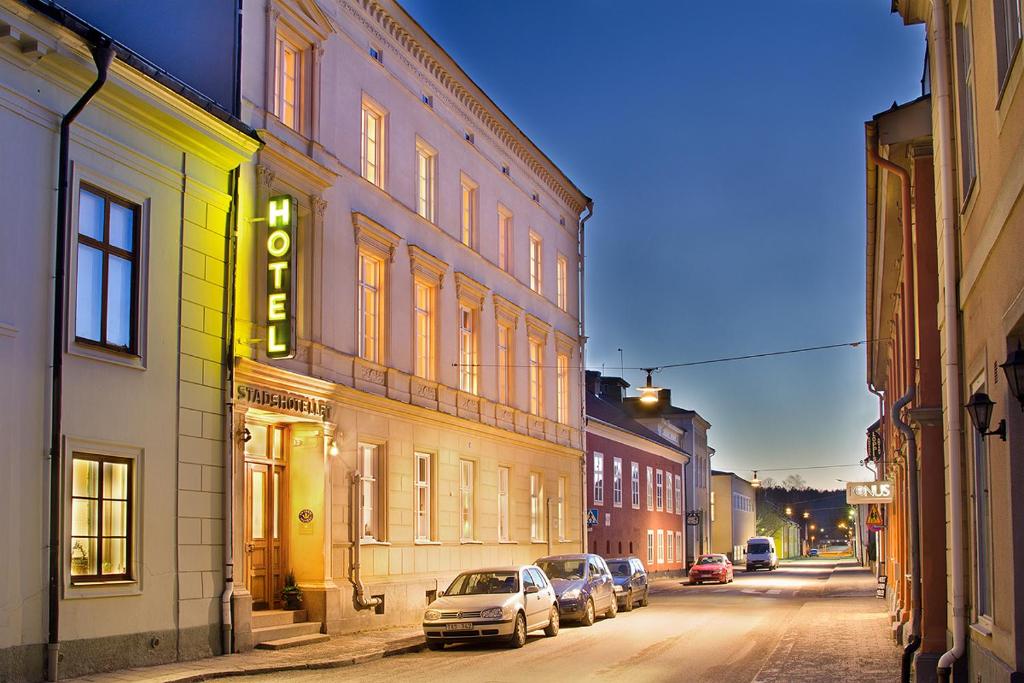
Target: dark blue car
x,y
583,586
630,579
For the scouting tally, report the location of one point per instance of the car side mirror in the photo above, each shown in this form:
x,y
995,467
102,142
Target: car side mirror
x,y
531,589
440,594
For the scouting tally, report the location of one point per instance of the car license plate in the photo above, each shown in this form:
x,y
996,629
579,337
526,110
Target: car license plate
x,y
458,627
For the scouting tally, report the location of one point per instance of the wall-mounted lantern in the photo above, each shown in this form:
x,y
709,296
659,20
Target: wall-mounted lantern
x,y
1014,369
980,409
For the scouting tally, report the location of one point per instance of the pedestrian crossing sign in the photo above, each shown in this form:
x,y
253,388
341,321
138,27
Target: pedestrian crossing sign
x,y
593,517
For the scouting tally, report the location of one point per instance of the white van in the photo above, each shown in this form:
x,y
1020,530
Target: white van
x,y
761,553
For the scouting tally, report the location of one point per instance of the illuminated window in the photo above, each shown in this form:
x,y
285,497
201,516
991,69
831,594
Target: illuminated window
x,y
562,488
288,81
466,499
101,518
536,507
370,469
598,479
373,143
965,107
106,293
650,488
712,506
562,398
535,263
1008,36
661,546
504,239
423,500
504,475
467,350
660,490
634,484
426,186
536,376
617,482
563,283
505,346
469,212
423,312
370,314
650,547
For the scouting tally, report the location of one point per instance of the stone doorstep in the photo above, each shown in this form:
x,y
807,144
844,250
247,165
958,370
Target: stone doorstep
x,y
293,641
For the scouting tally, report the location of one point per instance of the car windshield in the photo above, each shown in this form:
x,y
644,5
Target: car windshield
x,y
711,559
571,570
757,548
620,568
481,583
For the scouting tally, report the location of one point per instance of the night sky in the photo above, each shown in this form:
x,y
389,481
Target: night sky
x,y
723,144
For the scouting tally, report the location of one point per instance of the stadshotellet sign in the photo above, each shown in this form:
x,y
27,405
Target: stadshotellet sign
x,y
859,492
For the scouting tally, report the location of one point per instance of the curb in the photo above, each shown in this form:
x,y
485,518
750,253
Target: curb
x,y
398,647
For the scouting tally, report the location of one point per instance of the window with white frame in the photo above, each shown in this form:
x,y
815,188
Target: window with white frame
x,y
423,314
371,510
467,350
536,263
466,494
426,181
982,522
679,494
373,142
101,518
1008,36
536,376
712,506
421,485
650,546
617,482
505,363
650,488
659,490
661,546
669,548
290,67
562,281
504,477
562,488
562,386
108,281
598,479
371,271
679,546
469,212
965,108
505,239
668,492
536,507
634,484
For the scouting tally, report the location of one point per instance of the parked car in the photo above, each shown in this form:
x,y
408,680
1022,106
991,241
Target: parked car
x,y
583,585
813,552
630,581
711,567
498,603
761,553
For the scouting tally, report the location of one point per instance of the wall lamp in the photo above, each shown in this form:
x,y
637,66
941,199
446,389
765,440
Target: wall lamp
x,y
980,410
1014,369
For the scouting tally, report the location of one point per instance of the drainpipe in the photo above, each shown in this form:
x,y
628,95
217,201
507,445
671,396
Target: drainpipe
x,y
358,589
226,617
584,541
914,639
950,332
102,54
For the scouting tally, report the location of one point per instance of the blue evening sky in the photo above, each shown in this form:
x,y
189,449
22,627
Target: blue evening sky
x,y
723,144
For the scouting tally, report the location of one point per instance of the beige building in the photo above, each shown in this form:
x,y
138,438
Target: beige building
x,y
127,495
733,515
407,388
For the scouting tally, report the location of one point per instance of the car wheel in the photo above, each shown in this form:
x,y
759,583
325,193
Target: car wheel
x,y
629,602
724,580
749,568
613,608
588,614
518,637
435,645
552,629
643,601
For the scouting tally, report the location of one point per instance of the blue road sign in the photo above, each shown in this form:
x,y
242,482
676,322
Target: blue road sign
x,y
593,516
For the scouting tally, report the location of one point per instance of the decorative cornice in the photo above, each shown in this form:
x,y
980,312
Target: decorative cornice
x,y
507,134
537,328
425,265
374,236
469,291
564,343
506,311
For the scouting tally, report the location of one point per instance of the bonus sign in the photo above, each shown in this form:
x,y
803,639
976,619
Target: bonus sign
x,y
280,276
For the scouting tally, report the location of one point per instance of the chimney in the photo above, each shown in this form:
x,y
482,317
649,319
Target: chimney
x,y
612,389
593,381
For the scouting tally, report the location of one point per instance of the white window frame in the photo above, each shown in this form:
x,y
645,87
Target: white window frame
x,y
426,181
617,482
598,470
371,349
634,484
562,387
536,263
669,548
661,546
536,349
424,318
679,494
966,109
467,500
373,161
468,349
505,238
650,547
659,490
562,488
505,342
669,506
650,489
469,192
371,469
504,483
679,546
562,282
1007,14
537,531
423,496
285,40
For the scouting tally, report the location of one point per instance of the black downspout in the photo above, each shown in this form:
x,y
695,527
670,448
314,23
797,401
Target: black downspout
x,y
103,55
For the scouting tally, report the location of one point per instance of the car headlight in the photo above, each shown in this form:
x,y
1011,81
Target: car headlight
x,y
492,613
431,615
571,594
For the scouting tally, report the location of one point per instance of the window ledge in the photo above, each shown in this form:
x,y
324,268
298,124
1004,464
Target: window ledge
x,y
102,589
982,629
372,541
470,541
508,542
425,542
102,353
537,541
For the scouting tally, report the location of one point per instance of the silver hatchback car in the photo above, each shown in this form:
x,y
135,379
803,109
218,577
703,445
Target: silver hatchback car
x,y
502,603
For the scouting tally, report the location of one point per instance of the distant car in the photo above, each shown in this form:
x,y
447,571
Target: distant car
x,y
498,603
583,585
813,552
711,567
761,553
630,581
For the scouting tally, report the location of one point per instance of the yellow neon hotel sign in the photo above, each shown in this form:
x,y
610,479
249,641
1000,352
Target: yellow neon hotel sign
x,y
281,220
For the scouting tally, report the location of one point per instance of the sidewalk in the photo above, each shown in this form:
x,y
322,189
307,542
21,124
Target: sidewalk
x,y
842,635
340,651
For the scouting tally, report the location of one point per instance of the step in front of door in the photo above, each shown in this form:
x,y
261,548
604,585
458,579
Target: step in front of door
x,y
296,641
277,617
269,633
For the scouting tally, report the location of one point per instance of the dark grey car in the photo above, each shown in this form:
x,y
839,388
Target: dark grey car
x,y
630,579
583,585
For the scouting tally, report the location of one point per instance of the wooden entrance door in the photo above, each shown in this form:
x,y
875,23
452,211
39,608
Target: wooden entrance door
x,y
264,551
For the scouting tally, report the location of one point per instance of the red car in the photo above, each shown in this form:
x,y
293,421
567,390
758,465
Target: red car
x,y
711,568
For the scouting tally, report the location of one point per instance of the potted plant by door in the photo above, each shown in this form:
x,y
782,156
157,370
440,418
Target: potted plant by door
x,y
292,594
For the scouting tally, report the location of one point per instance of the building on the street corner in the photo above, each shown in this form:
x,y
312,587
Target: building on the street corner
x,y
111,478
951,315
788,534
406,400
691,430
635,482
733,515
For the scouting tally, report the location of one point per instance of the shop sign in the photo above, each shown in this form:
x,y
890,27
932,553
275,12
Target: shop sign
x,y
280,276
282,401
875,443
693,518
858,492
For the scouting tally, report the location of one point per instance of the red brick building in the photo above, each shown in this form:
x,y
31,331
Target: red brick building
x,y
635,482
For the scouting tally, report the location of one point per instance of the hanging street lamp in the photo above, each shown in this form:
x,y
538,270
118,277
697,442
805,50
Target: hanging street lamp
x,y
649,392
1014,369
980,409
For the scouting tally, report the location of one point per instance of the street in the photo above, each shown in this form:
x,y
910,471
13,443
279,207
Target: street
x,y
810,620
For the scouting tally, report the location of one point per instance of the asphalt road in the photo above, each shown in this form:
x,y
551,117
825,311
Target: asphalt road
x,y
688,633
